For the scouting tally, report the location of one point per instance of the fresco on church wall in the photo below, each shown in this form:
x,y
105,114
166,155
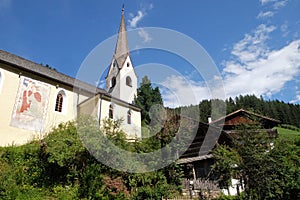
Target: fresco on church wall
x,y
31,104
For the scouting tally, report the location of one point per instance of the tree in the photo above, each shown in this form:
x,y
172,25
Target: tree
x,y
147,97
267,171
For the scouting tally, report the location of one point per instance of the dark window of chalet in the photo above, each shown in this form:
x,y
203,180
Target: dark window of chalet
x,y
129,117
59,102
111,112
128,81
113,82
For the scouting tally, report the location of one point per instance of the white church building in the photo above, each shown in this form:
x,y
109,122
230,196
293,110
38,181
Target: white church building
x,y
35,98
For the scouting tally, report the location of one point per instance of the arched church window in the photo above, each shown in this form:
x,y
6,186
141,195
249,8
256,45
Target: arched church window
x,y
59,103
111,112
128,81
128,64
113,81
129,117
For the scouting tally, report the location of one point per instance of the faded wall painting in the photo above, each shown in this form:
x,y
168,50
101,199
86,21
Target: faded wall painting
x,y
31,105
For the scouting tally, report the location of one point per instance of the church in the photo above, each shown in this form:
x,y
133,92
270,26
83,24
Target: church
x,y
35,98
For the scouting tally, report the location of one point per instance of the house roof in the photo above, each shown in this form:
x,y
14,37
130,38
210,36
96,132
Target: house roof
x,y
241,111
193,159
206,138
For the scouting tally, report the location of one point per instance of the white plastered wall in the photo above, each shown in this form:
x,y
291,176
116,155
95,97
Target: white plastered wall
x,y
9,88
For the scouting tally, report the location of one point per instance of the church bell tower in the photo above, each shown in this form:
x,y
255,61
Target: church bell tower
x,y
121,80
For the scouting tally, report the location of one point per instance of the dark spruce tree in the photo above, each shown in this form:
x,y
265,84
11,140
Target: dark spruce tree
x,y
147,96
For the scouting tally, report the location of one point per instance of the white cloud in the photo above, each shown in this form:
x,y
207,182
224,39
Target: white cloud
x,y
279,4
144,35
266,14
284,29
253,47
263,2
276,4
266,76
254,68
178,90
296,100
136,19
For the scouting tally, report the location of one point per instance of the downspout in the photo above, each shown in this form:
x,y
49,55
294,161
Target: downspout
x,y
99,109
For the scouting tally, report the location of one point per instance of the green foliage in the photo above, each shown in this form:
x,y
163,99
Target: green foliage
x,y
268,171
60,167
146,98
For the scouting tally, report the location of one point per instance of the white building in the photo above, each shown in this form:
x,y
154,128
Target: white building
x,y
35,98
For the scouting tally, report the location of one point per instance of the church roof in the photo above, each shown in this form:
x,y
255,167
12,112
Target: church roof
x,y
28,66
121,50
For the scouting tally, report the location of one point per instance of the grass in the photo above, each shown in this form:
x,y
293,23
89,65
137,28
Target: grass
x,y
287,133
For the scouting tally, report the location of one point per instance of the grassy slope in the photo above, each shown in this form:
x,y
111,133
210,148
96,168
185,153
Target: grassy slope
x,y
287,133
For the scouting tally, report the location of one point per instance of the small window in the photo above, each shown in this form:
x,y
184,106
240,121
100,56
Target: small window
x,y
111,112
59,102
113,82
128,81
129,117
128,65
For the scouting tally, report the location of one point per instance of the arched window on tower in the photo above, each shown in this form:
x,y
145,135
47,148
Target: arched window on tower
x,y
128,81
113,81
129,117
59,102
111,112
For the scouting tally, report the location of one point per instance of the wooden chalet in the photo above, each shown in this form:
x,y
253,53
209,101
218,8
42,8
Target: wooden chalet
x,y
232,121
197,159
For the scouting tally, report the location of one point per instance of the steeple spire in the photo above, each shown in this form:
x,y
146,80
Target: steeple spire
x,y
121,51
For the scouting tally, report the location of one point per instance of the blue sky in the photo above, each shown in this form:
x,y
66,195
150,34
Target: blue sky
x,y
254,44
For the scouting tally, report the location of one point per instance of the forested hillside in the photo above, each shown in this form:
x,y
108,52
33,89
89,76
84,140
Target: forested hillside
x,y
287,113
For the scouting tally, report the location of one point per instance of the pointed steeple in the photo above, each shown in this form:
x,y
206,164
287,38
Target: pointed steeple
x,y
121,51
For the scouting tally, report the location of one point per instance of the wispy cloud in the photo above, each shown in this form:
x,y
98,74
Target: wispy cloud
x,y
284,29
276,4
263,2
266,14
252,46
279,4
133,22
253,68
144,35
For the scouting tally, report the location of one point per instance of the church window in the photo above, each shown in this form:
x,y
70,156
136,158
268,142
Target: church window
x,y
111,112
128,81
128,64
113,82
60,101
129,117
